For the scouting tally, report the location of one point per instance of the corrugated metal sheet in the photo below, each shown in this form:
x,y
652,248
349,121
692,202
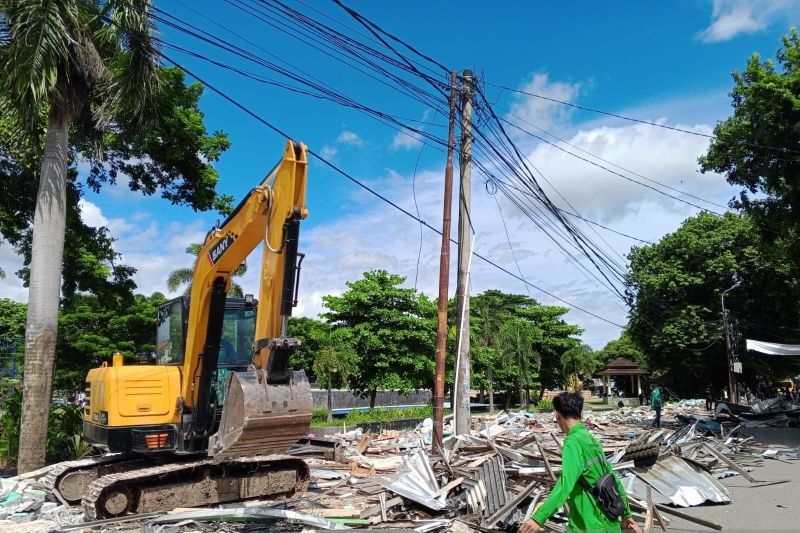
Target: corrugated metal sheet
x,y
682,483
416,482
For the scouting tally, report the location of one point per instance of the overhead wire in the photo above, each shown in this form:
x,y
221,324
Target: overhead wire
x,y
513,152
372,191
633,172
632,119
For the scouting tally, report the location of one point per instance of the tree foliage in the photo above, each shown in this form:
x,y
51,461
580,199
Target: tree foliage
x,y
393,331
624,347
521,340
91,330
757,146
310,331
578,363
12,319
674,289
175,157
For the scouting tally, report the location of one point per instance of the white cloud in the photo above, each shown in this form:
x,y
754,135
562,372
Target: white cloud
x,y
544,113
93,216
730,18
154,248
406,139
349,138
11,286
328,152
658,155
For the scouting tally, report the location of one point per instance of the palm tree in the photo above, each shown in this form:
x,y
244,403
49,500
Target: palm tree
x,y
183,276
517,337
335,362
71,61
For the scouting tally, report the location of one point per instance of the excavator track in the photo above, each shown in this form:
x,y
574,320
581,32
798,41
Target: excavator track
x,y
193,484
68,480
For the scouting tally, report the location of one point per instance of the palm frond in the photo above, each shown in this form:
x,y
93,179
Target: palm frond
x,y
136,84
236,291
179,277
38,54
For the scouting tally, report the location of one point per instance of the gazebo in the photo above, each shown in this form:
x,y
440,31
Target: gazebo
x,y
622,367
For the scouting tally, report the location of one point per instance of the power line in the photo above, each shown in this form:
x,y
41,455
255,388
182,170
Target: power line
x,y
373,191
632,119
616,165
598,165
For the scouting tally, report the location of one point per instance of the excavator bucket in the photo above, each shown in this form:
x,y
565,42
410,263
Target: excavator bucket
x,y
260,418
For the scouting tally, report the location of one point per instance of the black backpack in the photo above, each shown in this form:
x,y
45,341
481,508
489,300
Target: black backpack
x,y
606,492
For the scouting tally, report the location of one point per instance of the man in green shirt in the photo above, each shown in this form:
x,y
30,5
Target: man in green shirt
x,y
655,402
582,464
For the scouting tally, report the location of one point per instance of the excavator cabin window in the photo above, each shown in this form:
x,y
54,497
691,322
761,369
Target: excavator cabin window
x,y
171,333
238,330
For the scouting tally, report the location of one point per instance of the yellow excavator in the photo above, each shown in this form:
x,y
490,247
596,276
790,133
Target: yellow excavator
x,y
201,423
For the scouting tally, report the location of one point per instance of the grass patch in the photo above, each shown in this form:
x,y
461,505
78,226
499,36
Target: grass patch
x,y
372,416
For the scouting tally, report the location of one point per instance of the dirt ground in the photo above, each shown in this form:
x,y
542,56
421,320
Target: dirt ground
x,y
768,508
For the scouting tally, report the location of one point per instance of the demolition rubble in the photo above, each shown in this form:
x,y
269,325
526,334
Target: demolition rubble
x,y
488,480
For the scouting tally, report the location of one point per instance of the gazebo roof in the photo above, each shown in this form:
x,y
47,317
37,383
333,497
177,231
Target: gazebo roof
x,y
621,367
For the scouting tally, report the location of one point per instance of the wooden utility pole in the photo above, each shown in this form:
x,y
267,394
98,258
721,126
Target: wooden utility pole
x,y
444,277
462,375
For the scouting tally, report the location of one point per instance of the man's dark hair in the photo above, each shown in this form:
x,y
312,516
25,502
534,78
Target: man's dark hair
x,y
569,404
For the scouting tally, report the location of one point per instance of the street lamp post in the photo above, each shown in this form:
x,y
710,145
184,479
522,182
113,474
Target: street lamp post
x,y
731,389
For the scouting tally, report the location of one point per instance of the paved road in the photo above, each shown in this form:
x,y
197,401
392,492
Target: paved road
x,y
769,508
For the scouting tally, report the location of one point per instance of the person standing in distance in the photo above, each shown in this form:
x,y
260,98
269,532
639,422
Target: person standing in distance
x,y
655,402
583,464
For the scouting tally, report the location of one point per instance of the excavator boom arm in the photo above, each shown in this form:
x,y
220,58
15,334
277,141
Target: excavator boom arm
x,y
269,214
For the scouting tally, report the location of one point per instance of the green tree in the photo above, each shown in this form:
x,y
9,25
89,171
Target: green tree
x,y
756,147
86,68
184,276
12,318
578,363
624,347
674,288
517,338
488,312
548,335
309,331
554,336
91,330
394,333
336,361
12,331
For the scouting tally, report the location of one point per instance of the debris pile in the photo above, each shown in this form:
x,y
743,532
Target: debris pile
x,y
24,500
490,479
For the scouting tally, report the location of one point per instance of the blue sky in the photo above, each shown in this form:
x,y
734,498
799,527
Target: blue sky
x,y
661,61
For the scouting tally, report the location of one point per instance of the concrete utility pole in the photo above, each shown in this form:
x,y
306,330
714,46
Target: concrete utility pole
x,y
462,374
444,277
731,388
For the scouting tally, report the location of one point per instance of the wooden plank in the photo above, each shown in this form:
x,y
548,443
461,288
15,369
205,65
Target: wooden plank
x,y
728,462
376,509
648,517
447,488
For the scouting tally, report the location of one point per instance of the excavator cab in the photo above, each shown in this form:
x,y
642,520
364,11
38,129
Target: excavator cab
x,y
238,332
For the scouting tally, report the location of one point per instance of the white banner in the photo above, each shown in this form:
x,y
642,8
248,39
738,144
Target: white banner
x,y
773,348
